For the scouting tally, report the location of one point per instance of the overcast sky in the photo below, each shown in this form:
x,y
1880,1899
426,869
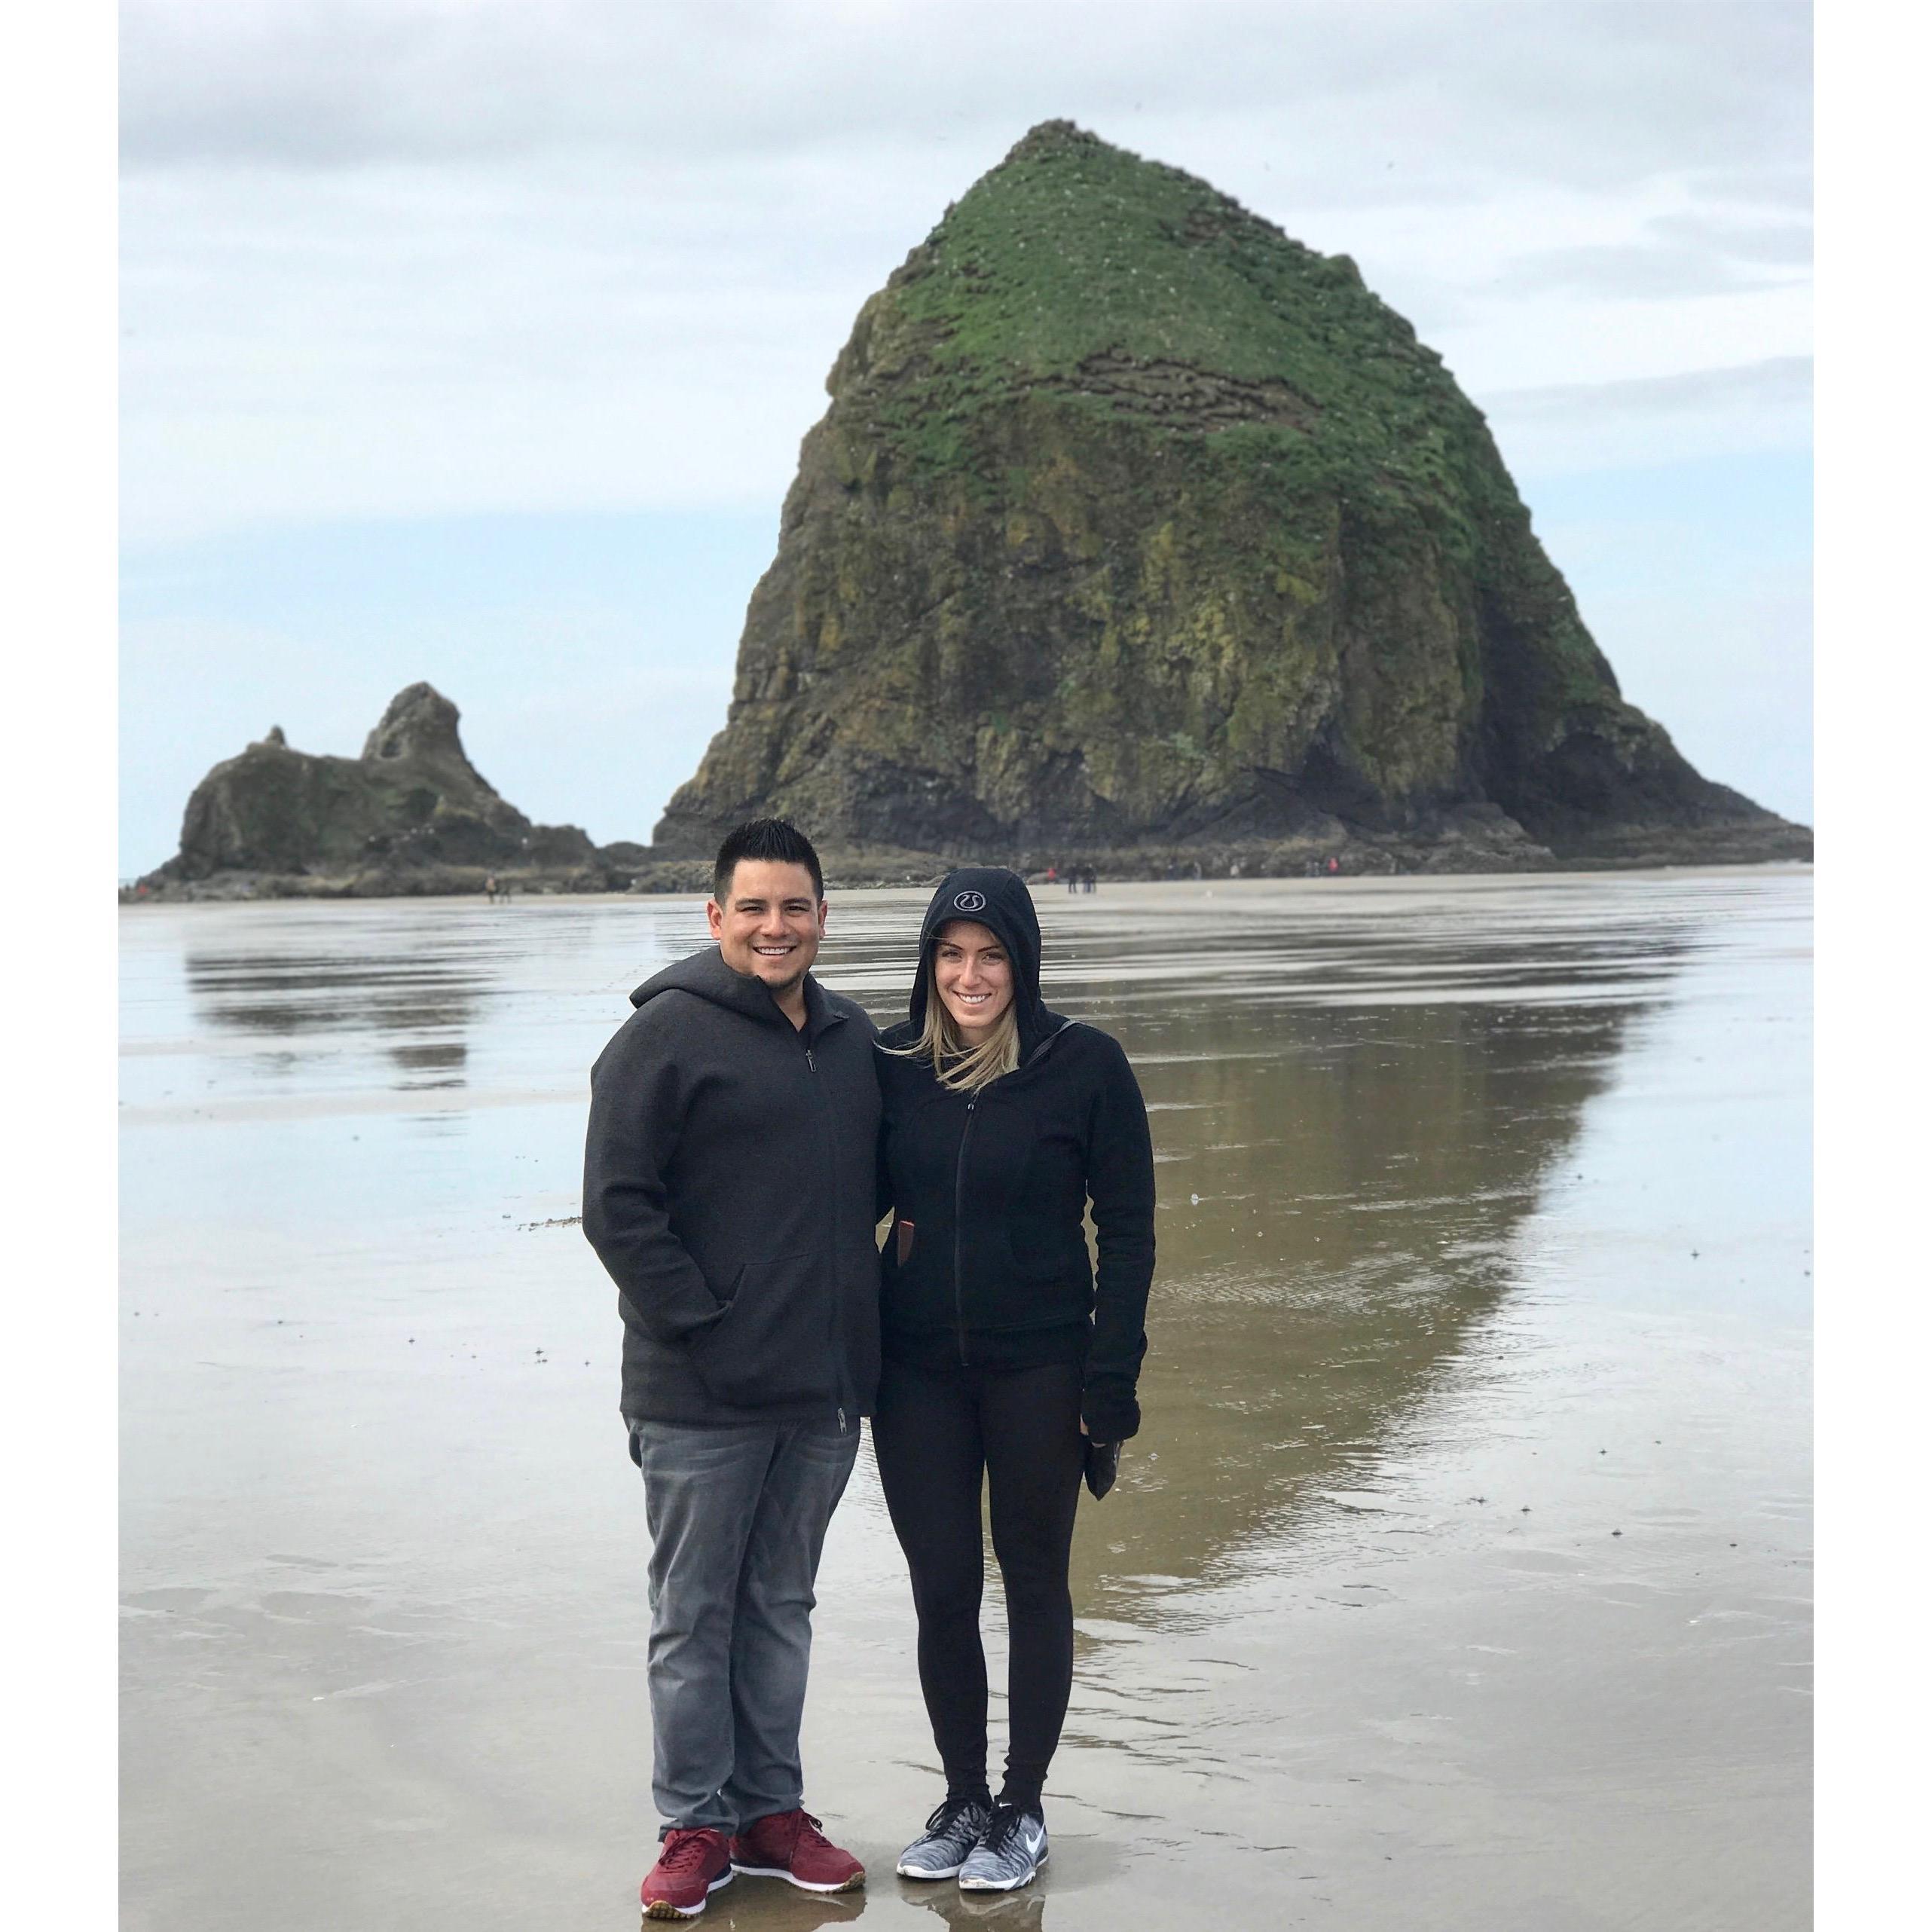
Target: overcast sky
x,y
474,341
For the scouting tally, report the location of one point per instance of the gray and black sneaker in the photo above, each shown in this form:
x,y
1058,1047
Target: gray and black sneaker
x,y
951,1832
1010,1851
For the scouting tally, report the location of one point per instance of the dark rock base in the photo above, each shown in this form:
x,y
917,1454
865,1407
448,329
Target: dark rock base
x,y
1475,839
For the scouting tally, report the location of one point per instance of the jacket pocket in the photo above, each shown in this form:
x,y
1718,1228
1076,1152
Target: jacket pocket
x,y
860,1334
1045,1251
773,1344
915,1277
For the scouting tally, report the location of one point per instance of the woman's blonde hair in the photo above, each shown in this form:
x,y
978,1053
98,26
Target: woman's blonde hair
x,y
964,1069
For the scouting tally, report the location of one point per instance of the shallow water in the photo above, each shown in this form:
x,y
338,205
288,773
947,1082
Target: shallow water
x,y
1460,1576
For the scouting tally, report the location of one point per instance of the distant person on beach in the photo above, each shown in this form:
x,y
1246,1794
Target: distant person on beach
x,y
1007,1363
489,889
728,1177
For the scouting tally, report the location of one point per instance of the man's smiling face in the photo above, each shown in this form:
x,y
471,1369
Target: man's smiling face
x,y
770,922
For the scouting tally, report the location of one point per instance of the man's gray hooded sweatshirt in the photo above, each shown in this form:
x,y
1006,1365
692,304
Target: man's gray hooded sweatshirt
x,y
728,1188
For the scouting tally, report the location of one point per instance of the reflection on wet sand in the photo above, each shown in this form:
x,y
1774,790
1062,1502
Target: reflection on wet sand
x,y
420,1005
1012,1912
1340,1193
771,1906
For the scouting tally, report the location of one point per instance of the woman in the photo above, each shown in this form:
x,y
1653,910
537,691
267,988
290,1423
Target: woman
x,y
1006,1360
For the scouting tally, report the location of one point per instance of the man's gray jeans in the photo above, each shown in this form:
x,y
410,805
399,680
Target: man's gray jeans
x,y
737,1518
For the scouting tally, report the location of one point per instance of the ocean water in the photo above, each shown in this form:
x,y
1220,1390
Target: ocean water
x,y
1459,1577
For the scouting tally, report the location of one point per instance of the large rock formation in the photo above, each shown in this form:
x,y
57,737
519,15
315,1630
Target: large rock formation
x,y
1134,524
411,812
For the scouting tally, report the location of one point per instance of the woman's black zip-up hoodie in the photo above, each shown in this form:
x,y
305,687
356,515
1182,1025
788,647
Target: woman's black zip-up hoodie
x,y
987,1261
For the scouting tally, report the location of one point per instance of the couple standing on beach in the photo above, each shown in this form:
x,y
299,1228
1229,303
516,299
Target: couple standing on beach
x,y
748,1132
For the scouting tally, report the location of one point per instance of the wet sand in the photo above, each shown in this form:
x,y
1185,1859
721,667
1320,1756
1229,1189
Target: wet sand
x,y
1459,1578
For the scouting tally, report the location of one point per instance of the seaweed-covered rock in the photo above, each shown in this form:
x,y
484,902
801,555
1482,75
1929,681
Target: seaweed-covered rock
x,y
1133,522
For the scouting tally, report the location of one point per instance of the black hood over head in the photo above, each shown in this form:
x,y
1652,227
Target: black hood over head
x,y
1000,900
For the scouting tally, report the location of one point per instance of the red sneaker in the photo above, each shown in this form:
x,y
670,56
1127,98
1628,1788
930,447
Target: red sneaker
x,y
788,1845
691,1867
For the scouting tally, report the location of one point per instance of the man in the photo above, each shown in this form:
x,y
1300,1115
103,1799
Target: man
x,y
728,1188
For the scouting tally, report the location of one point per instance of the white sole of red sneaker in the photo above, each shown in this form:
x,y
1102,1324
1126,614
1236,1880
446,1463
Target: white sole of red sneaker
x,y
855,1883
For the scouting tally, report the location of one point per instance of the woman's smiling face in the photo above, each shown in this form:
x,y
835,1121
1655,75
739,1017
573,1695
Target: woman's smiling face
x,y
973,977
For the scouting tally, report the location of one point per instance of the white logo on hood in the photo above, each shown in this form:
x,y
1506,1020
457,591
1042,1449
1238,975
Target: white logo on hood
x,y
970,902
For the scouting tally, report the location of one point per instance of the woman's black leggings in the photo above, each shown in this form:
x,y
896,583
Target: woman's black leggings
x,y
939,1435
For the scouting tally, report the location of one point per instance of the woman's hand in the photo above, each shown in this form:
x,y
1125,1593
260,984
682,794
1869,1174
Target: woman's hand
x,y
1108,1411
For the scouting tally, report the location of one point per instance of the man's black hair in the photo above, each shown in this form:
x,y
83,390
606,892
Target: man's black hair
x,y
775,839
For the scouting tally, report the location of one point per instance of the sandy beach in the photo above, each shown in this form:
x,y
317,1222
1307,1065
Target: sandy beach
x,y
1461,1577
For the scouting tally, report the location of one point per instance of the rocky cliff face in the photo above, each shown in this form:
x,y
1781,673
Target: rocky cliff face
x,y
1133,522
412,802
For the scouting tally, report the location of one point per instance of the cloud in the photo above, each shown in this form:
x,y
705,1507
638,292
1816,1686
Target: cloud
x,y
406,259
1779,244
1638,271
1563,428
1779,382
1789,186
1687,253
1580,94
